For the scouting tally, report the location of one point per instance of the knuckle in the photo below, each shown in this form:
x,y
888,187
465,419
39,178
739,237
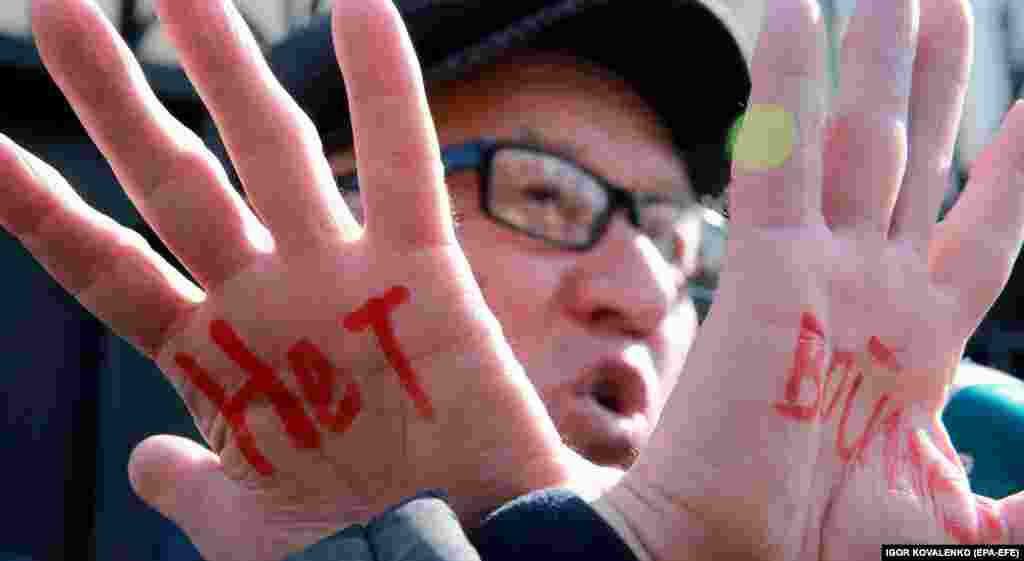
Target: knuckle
x,y
84,259
181,164
949,22
788,32
27,208
111,252
119,266
892,62
944,46
286,130
858,139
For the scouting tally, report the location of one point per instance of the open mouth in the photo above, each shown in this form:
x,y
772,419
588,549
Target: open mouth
x,y
605,437
606,397
609,417
618,387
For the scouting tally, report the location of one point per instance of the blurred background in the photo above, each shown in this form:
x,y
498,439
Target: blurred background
x,y
75,399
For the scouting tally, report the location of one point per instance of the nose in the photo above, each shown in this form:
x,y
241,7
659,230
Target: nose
x,y
622,285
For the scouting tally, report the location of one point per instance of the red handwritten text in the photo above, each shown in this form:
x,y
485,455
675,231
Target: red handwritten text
x,y
839,383
842,376
374,315
315,374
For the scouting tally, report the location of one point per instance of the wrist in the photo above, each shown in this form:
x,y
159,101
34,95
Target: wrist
x,y
626,520
710,518
422,522
659,527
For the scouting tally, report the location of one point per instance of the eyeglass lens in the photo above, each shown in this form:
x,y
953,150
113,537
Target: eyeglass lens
x,y
555,199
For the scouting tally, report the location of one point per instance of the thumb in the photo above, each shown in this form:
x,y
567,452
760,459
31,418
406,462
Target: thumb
x,y
180,479
186,483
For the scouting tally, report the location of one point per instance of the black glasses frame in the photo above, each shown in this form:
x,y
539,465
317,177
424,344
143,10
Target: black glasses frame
x,y
478,155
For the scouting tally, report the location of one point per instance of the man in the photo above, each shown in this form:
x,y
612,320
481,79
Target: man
x,y
321,271
603,347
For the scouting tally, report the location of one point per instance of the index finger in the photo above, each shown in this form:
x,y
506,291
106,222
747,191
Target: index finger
x,y
397,154
777,154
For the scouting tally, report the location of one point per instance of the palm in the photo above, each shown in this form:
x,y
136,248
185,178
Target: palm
x,y
333,369
283,383
869,391
905,484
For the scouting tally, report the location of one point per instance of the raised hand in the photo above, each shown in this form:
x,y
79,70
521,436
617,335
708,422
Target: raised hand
x,y
843,307
333,370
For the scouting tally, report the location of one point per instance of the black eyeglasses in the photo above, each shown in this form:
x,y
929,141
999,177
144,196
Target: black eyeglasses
x,y
549,197
554,199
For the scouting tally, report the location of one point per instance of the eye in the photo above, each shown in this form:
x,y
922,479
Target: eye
x,y
347,183
671,247
665,235
658,230
350,194
542,194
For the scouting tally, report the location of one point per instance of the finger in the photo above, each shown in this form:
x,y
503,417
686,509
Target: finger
x,y
272,143
975,247
165,471
396,147
777,154
185,482
941,69
167,172
866,150
109,268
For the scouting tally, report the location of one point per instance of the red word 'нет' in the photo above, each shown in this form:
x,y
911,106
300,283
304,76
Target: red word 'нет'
x,y
315,374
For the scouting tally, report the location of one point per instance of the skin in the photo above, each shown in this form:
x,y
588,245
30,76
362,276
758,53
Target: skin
x,y
621,301
839,226
842,229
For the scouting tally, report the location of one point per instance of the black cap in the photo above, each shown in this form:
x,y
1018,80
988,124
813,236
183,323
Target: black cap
x,y
685,57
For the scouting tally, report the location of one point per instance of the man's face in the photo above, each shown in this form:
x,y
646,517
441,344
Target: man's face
x,y
602,334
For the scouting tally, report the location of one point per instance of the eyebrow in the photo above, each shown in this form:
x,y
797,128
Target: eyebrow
x,y
533,137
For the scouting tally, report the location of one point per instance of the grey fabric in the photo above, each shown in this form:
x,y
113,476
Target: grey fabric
x,y
421,528
350,544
